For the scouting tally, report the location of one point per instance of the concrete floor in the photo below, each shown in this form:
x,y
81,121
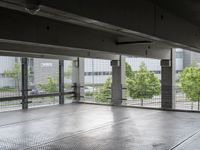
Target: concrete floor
x,y
95,127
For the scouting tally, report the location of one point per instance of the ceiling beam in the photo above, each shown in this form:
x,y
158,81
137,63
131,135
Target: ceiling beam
x,y
130,17
33,29
29,49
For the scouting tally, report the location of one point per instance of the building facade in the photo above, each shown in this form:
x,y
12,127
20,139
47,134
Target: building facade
x,y
96,71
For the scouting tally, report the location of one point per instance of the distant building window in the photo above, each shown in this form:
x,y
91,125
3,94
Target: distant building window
x,y
102,73
179,54
178,71
156,72
3,75
46,65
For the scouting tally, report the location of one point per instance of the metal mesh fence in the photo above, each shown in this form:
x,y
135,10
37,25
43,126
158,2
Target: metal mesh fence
x,y
154,102
10,82
98,74
143,82
68,80
43,78
184,103
43,82
10,76
185,59
43,101
10,105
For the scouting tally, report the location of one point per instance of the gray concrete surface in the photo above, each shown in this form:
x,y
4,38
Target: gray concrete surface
x,y
95,127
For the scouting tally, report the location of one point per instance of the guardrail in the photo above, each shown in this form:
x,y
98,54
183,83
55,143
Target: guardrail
x,y
4,99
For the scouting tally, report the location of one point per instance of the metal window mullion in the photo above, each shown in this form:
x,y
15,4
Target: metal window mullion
x,y
24,83
61,82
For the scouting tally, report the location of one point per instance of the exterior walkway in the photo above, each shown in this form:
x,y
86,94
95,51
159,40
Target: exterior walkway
x,y
95,127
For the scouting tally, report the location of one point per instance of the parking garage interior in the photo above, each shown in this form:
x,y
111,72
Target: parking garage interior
x,y
108,75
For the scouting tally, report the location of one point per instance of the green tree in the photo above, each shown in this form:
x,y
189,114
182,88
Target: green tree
x,y
141,85
68,75
144,84
104,93
68,72
51,86
190,82
129,72
15,73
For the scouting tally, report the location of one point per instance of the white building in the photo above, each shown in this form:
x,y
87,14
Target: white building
x,y
7,64
96,71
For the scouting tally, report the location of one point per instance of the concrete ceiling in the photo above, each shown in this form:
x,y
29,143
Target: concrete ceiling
x,y
187,9
141,27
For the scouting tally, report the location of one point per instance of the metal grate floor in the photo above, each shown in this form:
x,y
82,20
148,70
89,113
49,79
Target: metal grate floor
x,y
94,127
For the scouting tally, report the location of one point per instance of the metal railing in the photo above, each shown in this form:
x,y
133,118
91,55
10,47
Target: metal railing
x,y
145,96
37,100
181,101
13,103
93,95
184,103
154,102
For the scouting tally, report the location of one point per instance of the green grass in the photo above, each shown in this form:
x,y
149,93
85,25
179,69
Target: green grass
x,y
8,89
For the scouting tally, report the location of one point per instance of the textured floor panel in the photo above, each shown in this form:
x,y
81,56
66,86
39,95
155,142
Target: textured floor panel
x,y
191,143
92,127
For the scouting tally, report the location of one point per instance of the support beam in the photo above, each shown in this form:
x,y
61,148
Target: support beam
x,y
61,82
24,83
33,34
78,78
132,18
29,49
139,17
118,81
168,80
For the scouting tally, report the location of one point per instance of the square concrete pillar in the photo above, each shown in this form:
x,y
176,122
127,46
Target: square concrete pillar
x,y
118,81
168,80
78,78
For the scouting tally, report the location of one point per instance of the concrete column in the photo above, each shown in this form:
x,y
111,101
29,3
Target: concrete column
x,y
168,80
78,78
118,80
61,82
24,83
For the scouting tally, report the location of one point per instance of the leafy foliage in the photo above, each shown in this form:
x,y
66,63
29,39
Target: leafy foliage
x,y
104,93
144,84
15,73
68,76
141,85
129,72
68,72
190,82
51,86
